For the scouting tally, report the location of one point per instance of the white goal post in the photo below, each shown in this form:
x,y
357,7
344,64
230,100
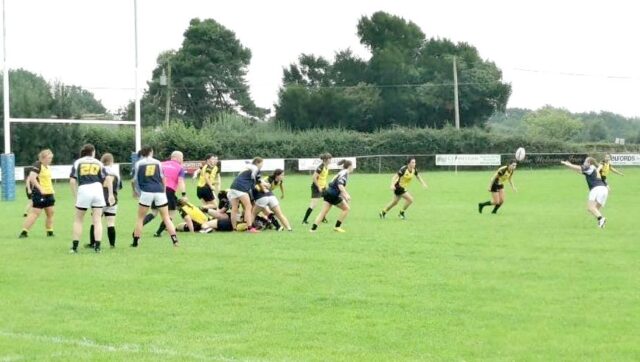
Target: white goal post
x,y
8,159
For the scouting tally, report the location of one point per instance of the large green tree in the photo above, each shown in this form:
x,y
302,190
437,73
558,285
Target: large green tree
x,y
207,77
412,77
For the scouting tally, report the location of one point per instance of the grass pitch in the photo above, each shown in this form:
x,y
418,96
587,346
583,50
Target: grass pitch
x,y
538,281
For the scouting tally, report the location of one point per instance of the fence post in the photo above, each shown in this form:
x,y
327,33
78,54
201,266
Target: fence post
x,y
379,164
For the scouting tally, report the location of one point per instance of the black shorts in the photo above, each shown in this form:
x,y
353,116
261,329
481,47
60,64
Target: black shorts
x,y
172,200
29,194
224,225
315,192
333,199
205,193
496,187
399,191
42,201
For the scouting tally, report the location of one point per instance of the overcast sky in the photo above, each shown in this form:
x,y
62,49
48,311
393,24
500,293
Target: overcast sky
x,y
583,56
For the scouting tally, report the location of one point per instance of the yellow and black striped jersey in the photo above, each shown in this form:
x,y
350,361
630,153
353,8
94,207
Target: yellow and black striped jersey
x,y
207,174
405,176
196,215
323,175
504,174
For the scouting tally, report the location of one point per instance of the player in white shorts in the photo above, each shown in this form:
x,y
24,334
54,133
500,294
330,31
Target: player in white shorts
x,y
86,178
598,191
148,181
267,202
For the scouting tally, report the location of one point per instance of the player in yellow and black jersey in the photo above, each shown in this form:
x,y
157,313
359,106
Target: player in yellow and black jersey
x,y
496,187
399,184
318,184
200,219
42,193
208,181
606,168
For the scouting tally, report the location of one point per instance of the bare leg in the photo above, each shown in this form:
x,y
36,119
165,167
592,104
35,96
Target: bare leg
x,y
283,219
49,220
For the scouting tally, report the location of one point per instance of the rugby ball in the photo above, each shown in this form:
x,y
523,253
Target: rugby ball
x,y
520,154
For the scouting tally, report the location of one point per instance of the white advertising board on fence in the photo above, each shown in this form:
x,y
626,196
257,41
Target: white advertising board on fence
x,y
269,164
58,172
625,159
311,164
468,160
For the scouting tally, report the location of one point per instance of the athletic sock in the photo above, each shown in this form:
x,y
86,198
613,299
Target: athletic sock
x,y
75,245
307,214
338,223
314,226
174,239
486,203
92,236
274,221
111,233
495,208
147,219
161,228
135,241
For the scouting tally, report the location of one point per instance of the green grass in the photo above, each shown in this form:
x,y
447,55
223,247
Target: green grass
x,y
538,281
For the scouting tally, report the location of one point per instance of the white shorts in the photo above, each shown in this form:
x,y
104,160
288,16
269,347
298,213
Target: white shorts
x,y
599,194
149,198
235,194
90,196
112,210
267,201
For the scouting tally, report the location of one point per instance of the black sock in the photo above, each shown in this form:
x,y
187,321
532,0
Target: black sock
x,y
314,226
338,223
96,245
92,236
174,238
599,217
274,221
486,203
161,228
111,233
307,214
495,208
75,245
135,240
147,219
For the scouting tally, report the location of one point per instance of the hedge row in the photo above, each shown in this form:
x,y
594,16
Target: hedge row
x,y
246,140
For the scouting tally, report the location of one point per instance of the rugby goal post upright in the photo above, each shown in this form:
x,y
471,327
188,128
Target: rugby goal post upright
x,y
8,158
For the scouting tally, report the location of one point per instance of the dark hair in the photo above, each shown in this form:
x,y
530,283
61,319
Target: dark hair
x,y
87,150
277,172
409,159
145,151
513,160
257,160
344,163
325,156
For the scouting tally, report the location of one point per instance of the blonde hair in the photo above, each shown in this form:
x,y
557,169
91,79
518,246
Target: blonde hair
x,y
44,154
107,159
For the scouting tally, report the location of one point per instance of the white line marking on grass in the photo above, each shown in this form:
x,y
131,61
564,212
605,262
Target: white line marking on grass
x,y
11,358
85,342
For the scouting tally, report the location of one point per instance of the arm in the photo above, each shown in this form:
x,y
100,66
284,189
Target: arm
x,y
423,182
513,187
394,181
189,222
33,181
281,190
493,179
108,182
615,171
74,187
315,179
218,183
133,189
343,192
182,187
576,168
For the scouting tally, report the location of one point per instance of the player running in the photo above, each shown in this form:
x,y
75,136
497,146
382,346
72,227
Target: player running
x,y
336,195
496,186
399,183
318,185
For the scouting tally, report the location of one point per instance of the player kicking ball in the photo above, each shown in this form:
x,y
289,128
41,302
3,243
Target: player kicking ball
x,y
598,191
